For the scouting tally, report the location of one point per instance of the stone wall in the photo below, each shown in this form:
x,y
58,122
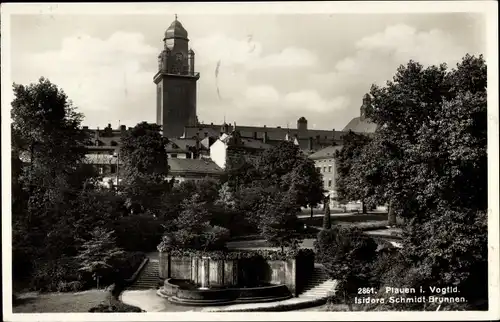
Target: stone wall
x,y
244,272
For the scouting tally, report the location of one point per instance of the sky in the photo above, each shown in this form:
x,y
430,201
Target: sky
x,y
274,68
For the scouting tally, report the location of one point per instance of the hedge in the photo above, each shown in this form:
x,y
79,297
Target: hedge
x,y
241,254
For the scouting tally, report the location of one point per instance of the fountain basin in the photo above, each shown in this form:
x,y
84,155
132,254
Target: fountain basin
x,y
184,293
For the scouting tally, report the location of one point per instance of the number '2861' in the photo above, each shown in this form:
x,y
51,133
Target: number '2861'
x,y
366,290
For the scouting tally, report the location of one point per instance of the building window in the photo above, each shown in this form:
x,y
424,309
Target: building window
x,y
173,155
329,182
101,170
330,168
324,169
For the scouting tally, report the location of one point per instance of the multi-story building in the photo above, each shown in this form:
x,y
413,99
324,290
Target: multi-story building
x,y
324,161
196,150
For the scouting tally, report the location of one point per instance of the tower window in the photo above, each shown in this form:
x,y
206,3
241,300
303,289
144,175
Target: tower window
x,y
329,183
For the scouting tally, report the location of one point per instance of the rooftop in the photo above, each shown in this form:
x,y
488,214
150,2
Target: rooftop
x,y
328,152
360,125
193,166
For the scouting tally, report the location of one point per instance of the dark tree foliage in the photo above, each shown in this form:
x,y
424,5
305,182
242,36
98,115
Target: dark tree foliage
x,y
278,219
193,229
267,191
428,161
48,149
145,167
286,166
350,183
348,255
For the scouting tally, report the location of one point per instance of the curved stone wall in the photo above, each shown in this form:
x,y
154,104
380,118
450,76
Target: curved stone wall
x,y
175,292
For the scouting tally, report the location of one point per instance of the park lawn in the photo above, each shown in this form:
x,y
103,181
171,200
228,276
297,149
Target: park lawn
x,y
60,302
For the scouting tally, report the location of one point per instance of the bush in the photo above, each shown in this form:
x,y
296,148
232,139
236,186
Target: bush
x,y
347,254
116,307
138,232
237,223
59,275
73,286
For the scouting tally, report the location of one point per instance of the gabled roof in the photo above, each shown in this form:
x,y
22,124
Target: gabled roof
x,y
199,166
326,153
180,144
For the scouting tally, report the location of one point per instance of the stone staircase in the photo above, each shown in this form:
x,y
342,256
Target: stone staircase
x,y
148,277
319,285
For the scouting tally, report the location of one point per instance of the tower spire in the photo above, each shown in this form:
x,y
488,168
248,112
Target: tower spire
x,y
175,17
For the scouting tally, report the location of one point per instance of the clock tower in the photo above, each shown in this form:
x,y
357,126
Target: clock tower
x,y
176,83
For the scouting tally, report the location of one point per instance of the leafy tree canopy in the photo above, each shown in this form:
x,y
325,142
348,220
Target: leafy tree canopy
x,y
145,166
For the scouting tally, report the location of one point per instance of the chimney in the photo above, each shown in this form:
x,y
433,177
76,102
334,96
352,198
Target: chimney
x,y
310,146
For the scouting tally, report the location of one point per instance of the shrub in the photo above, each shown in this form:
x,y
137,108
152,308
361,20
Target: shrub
x,y
116,307
48,275
73,286
98,255
347,254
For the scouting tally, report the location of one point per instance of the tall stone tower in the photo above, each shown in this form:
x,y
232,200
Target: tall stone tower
x,y
176,83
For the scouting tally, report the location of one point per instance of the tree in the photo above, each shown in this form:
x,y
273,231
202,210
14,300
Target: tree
x,y
193,229
347,255
48,149
350,183
278,219
145,166
432,141
327,220
284,165
98,253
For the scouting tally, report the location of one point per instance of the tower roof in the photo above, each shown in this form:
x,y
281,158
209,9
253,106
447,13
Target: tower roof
x,y
176,30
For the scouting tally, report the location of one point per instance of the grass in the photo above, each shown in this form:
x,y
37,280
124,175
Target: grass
x,y
60,302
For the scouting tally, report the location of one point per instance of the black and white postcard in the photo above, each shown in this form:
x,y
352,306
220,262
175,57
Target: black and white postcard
x,y
296,160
